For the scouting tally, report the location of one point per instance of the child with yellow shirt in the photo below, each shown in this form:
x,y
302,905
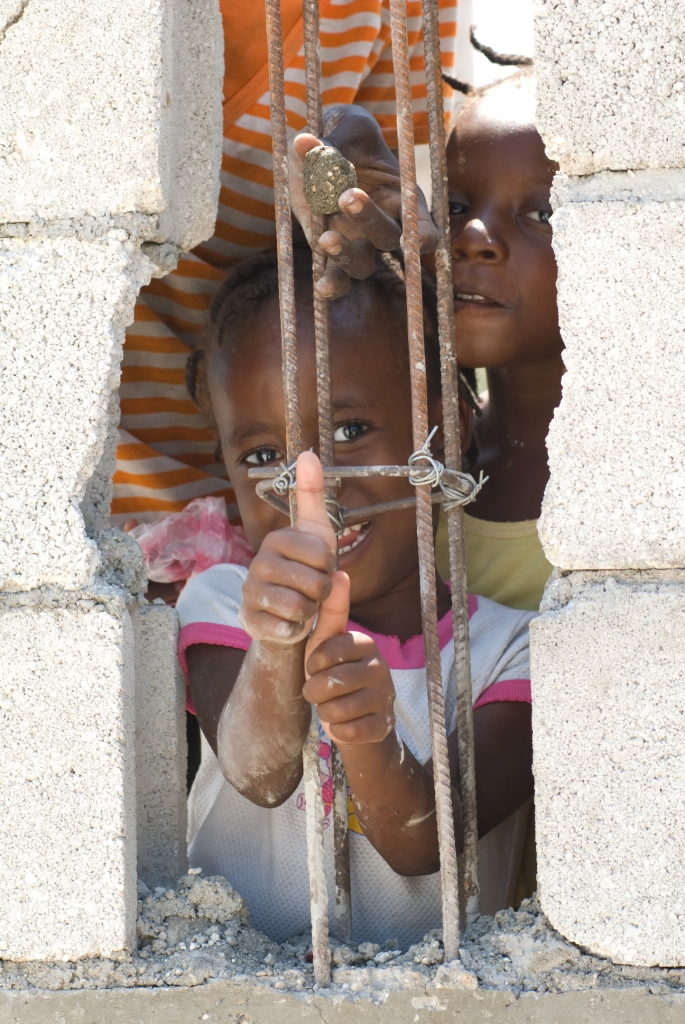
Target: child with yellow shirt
x,y
506,321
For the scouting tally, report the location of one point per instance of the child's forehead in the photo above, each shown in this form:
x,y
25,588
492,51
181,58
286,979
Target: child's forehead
x,y
509,106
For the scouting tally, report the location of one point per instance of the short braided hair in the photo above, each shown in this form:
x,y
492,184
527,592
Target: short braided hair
x,y
254,283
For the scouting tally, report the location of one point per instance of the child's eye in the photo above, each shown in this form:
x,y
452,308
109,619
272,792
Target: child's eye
x,y
350,431
457,209
540,216
262,456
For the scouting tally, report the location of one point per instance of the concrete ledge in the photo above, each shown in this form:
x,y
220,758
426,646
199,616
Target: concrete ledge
x,y
231,1003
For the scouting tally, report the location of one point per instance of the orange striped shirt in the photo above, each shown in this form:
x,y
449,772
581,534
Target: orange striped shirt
x,y
167,452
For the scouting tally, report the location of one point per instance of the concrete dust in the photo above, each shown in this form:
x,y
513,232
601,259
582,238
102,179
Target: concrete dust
x,y
199,932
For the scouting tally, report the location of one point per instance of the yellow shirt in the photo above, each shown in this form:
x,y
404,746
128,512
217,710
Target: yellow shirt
x,y
504,561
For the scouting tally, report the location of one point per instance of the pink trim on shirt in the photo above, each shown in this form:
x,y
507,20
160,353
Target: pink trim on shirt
x,y
409,655
208,633
506,689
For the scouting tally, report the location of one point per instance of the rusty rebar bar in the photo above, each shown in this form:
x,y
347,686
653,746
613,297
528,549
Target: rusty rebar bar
x,y
453,458
318,890
424,517
312,66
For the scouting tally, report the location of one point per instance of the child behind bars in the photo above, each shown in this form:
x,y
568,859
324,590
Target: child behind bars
x,y
256,669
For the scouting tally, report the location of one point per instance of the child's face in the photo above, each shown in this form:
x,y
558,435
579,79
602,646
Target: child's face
x,y
371,404
504,271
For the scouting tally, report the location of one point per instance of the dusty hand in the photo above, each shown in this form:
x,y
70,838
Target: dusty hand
x,y
347,679
370,216
291,574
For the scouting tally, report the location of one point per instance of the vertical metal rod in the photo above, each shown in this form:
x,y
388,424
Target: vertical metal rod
x,y
312,64
453,460
286,283
424,517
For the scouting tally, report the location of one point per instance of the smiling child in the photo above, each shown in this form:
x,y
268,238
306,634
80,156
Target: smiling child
x,y
504,276
255,669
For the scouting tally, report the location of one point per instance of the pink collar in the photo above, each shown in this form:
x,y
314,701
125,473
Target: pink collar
x,y
410,654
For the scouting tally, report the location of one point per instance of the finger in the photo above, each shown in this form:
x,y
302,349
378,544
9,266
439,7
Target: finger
x,y
370,729
348,707
334,283
304,142
311,583
381,230
263,626
334,613
283,547
283,602
129,525
428,233
357,258
312,516
343,649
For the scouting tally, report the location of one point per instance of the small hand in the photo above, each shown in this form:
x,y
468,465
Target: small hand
x,y
370,216
291,574
348,681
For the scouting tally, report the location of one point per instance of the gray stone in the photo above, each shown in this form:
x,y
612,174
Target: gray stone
x,y
327,174
607,669
616,444
161,749
112,108
64,304
611,83
67,760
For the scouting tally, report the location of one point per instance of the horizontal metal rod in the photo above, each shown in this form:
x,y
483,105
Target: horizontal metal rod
x,y
352,515
452,477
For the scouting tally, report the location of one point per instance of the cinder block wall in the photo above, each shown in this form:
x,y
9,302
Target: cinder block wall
x,y
110,134
607,654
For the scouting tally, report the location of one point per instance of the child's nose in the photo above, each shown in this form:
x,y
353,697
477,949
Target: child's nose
x,y
477,241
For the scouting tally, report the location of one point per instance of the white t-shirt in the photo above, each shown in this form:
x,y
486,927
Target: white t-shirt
x,y
262,851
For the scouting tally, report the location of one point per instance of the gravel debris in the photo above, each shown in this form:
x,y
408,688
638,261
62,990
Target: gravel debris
x,y
199,932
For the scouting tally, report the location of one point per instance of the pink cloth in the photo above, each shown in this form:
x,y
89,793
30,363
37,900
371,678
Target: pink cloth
x,y
407,655
185,543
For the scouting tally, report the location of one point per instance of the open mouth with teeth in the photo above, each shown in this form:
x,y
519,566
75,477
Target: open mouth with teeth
x,y
352,537
475,299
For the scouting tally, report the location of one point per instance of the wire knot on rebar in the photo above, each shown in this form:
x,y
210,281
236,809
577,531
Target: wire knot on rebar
x,y
454,498
285,480
430,471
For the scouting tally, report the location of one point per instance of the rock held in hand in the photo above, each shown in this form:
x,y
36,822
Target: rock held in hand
x,y
327,174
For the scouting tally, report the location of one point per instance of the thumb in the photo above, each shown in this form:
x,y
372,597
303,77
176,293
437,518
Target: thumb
x,y
333,613
312,516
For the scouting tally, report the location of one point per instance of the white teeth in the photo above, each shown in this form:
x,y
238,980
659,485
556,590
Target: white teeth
x,y
471,297
349,533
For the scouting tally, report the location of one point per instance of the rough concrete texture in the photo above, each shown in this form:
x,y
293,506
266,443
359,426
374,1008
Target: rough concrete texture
x,y
607,669
327,174
111,108
199,960
67,801
161,749
611,83
64,304
616,443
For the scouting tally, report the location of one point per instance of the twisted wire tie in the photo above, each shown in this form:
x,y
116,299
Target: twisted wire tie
x,y
431,472
285,481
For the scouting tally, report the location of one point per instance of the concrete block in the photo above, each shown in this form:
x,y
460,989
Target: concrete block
x,y
112,108
607,669
67,761
161,749
64,304
611,83
616,445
